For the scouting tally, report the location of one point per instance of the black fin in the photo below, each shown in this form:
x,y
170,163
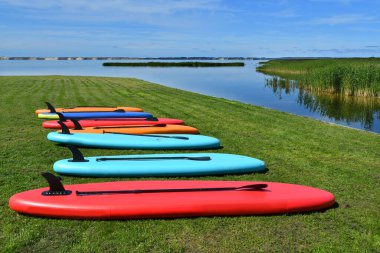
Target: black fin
x,y
152,118
65,129
50,107
56,187
77,124
61,117
77,155
119,110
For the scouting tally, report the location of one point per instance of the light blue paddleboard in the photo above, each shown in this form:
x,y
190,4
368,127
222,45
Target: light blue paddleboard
x,y
130,141
92,115
193,164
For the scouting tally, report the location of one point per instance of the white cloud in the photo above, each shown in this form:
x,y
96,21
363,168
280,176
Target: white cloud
x,y
126,6
358,51
183,14
344,19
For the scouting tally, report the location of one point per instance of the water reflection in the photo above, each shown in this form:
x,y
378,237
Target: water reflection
x,y
349,109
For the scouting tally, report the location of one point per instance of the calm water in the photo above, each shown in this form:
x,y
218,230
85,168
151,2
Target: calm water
x,y
241,84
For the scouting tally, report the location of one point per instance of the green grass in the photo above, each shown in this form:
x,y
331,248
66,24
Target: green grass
x,y
297,150
349,76
173,64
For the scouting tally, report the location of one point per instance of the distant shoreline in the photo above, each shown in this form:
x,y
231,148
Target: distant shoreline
x,y
123,58
194,64
79,58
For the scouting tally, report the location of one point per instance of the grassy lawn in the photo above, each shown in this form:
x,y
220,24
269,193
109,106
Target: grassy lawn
x,y
349,76
297,150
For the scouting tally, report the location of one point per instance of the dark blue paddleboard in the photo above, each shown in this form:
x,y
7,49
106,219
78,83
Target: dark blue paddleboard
x,y
93,115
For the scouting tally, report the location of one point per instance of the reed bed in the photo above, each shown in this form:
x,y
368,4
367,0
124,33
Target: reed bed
x,y
173,64
349,76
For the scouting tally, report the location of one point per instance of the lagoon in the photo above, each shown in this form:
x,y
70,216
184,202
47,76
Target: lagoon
x,y
242,84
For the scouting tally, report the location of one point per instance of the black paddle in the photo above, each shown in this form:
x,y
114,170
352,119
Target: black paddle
x,y
78,157
134,119
129,126
84,106
250,187
199,158
151,135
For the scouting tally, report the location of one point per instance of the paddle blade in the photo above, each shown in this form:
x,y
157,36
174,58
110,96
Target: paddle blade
x,y
252,187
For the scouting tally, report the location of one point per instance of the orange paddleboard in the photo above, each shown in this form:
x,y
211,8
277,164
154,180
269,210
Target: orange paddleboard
x,y
140,129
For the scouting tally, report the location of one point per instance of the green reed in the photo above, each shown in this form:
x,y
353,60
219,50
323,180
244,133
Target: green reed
x,y
349,76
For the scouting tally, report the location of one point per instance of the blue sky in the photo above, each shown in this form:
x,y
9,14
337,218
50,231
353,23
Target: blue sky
x,y
156,28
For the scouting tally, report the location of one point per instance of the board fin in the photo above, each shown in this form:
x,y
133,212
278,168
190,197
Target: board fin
x,y
65,129
119,110
77,155
77,125
50,107
151,119
55,185
61,117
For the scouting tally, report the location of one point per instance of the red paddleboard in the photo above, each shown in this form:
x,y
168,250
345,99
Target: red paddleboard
x,y
53,124
274,198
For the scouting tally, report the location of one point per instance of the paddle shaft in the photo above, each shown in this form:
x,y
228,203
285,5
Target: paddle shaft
x,y
129,126
151,135
199,158
139,191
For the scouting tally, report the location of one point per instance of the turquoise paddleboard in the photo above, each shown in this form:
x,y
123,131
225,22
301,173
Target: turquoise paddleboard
x,y
132,141
188,164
